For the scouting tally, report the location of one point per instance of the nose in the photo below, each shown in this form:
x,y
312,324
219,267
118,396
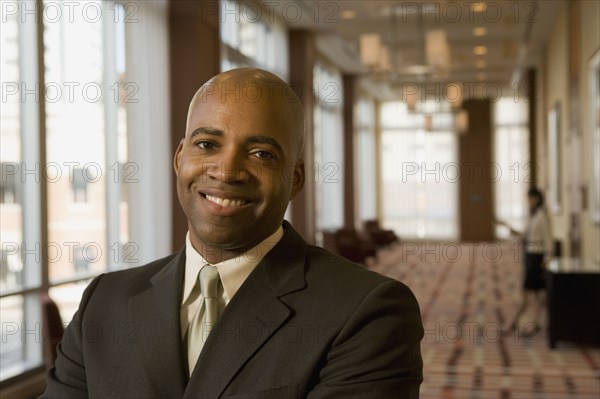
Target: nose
x,y
229,167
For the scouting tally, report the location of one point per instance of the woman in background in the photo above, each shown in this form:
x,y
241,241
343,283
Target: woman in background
x,y
537,244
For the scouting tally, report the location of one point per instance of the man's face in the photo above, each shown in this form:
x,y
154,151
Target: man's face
x,y
237,169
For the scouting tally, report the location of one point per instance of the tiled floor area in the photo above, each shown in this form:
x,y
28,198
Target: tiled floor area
x,y
466,293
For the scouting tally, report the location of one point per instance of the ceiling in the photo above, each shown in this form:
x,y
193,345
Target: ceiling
x,y
515,35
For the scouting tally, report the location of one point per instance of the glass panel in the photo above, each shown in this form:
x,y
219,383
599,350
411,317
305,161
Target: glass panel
x,y
328,147
510,112
122,172
420,172
249,39
75,146
67,297
11,218
366,155
396,115
127,179
12,350
21,174
511,152
230,23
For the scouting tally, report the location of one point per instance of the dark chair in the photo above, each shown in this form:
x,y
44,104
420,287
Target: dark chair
x,y
347,243
53,329
377,236
330,241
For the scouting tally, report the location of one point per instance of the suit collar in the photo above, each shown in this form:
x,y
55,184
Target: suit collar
x,y
284,265
251,318
154,314
256,308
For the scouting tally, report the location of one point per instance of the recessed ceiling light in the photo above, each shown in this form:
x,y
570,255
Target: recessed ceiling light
x,y
480,50
478,7
481,63
348,14
480,31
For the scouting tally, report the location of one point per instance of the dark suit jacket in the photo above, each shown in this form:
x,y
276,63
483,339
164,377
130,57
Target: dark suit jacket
x,y
305,323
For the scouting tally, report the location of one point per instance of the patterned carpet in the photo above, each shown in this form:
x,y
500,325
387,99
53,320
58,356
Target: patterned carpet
x,y
466,293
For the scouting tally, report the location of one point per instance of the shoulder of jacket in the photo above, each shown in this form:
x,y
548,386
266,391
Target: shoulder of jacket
x,y
331,264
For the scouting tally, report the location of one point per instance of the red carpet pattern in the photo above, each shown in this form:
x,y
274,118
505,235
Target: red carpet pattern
x,y
467,292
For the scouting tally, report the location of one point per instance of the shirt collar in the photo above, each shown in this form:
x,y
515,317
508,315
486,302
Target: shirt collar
x,y
232,272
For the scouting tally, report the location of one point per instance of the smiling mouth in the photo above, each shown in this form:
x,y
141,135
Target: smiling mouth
x,y
226,202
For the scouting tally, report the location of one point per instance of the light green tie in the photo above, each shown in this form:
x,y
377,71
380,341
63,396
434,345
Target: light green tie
x,y
206,315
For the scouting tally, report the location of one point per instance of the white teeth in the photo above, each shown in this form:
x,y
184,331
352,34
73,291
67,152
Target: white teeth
x,y
225,203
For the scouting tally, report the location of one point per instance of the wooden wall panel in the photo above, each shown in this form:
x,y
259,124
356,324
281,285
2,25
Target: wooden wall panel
x,y
349,187
478,173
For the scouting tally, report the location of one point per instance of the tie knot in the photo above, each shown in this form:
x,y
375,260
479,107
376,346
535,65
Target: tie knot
x,y
209,281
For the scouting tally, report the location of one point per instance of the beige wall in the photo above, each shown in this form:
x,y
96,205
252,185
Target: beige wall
x,y
553,73
555,81
590,44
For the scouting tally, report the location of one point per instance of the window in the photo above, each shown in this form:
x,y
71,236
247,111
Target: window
x,y
329,146
252,37
365,153
8,185
83,128
20,276
85,115
79,185
81,261
419,193
511,153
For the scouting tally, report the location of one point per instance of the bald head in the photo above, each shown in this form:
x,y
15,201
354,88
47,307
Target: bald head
x,y
259,88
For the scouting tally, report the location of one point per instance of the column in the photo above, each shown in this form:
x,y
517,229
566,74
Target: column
x,y
302,59
348,115
478,173
195,44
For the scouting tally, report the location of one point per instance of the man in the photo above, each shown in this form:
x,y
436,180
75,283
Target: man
x,y
289,320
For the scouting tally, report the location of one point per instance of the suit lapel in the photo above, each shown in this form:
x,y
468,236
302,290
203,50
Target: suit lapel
x,y
155,313
251,318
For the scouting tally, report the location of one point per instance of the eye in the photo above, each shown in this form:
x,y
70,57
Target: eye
x,y
262,154
206,145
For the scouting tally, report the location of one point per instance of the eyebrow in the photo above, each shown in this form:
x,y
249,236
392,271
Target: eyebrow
x,y
260,139
207,130
265,140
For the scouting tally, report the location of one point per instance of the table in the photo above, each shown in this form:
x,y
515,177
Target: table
x,y
573,300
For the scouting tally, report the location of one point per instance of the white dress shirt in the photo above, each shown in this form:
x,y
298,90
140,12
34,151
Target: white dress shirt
x,y
538,236
232,272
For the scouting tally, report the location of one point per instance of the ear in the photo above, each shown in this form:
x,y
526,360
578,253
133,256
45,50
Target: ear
x,y
299,177
177,157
